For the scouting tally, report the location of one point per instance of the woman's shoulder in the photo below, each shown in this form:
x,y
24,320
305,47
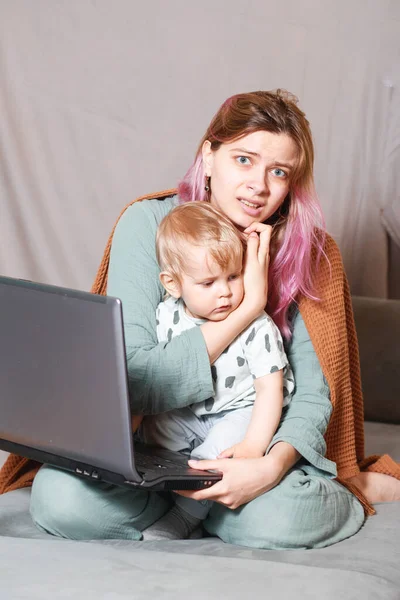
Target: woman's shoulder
x,y
329,259
328,270
331,248
145,214
153,208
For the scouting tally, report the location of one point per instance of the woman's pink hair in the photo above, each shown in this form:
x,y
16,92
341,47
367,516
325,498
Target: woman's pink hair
x,y
299,228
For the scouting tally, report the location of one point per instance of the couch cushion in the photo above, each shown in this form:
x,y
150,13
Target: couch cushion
x,y
364,566
382,438
378,331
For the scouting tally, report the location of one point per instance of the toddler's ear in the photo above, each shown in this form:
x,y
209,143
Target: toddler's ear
x,y
170,284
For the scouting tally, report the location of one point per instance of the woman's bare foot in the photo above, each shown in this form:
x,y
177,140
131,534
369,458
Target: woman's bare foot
x,y
377,487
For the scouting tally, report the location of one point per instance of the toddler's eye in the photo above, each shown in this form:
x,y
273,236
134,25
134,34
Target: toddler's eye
x,y
206,283
243,160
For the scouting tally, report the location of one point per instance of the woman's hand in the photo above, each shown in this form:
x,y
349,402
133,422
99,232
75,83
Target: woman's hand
x,y
243,479
256,264
244,449
218,335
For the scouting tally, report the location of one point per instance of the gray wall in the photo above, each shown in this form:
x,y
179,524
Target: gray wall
x,y
102,101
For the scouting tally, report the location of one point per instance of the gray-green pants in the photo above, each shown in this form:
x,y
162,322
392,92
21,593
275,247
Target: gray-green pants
x,y
306,510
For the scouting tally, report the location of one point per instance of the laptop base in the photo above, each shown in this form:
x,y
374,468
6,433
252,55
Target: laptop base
x,y
163,472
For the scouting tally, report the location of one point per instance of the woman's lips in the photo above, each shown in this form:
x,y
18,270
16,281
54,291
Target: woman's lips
x,y
250,208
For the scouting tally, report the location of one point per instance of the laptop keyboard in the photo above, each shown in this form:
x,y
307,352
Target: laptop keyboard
x,y
152,462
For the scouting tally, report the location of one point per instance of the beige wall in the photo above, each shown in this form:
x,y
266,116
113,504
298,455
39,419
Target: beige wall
x,y
102,101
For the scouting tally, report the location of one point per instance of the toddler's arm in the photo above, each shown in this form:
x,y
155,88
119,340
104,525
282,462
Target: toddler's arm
x,y
264,420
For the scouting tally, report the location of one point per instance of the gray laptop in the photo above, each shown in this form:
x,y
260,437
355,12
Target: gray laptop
x,y
64,390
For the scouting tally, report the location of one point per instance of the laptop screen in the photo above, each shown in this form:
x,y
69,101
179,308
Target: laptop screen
x,y
63,374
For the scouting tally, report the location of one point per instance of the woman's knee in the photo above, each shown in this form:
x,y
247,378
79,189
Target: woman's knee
x,y
67,506
303,511
62,506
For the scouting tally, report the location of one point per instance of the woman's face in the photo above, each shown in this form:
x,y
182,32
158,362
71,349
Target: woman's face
x,y
250,177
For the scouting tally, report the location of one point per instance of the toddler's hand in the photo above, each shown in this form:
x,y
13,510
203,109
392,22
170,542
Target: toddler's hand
x,y
243,450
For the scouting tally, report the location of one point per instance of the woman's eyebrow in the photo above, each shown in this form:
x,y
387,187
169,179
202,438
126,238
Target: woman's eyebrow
x,y
279,163
245,151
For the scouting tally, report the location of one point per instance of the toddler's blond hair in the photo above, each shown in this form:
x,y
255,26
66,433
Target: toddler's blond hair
x,y
197,224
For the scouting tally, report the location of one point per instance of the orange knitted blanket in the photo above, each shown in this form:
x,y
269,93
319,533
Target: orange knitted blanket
x,y
331,327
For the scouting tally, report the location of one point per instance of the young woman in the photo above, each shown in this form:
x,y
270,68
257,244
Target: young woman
x,y
255,164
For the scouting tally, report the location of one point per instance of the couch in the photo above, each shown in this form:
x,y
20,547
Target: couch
x,y
39,567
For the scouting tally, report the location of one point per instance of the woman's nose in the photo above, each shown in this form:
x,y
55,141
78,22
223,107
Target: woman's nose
x,y
257,182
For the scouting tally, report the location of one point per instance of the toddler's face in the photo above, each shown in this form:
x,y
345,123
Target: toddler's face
x,y
208,291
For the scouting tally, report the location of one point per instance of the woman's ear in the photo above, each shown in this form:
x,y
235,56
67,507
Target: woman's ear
x,y
170,284
208,158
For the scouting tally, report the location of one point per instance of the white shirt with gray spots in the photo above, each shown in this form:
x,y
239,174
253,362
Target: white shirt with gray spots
x,y
256,352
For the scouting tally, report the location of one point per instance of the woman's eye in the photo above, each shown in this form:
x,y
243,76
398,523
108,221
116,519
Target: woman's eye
x,y
243,160
279,173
